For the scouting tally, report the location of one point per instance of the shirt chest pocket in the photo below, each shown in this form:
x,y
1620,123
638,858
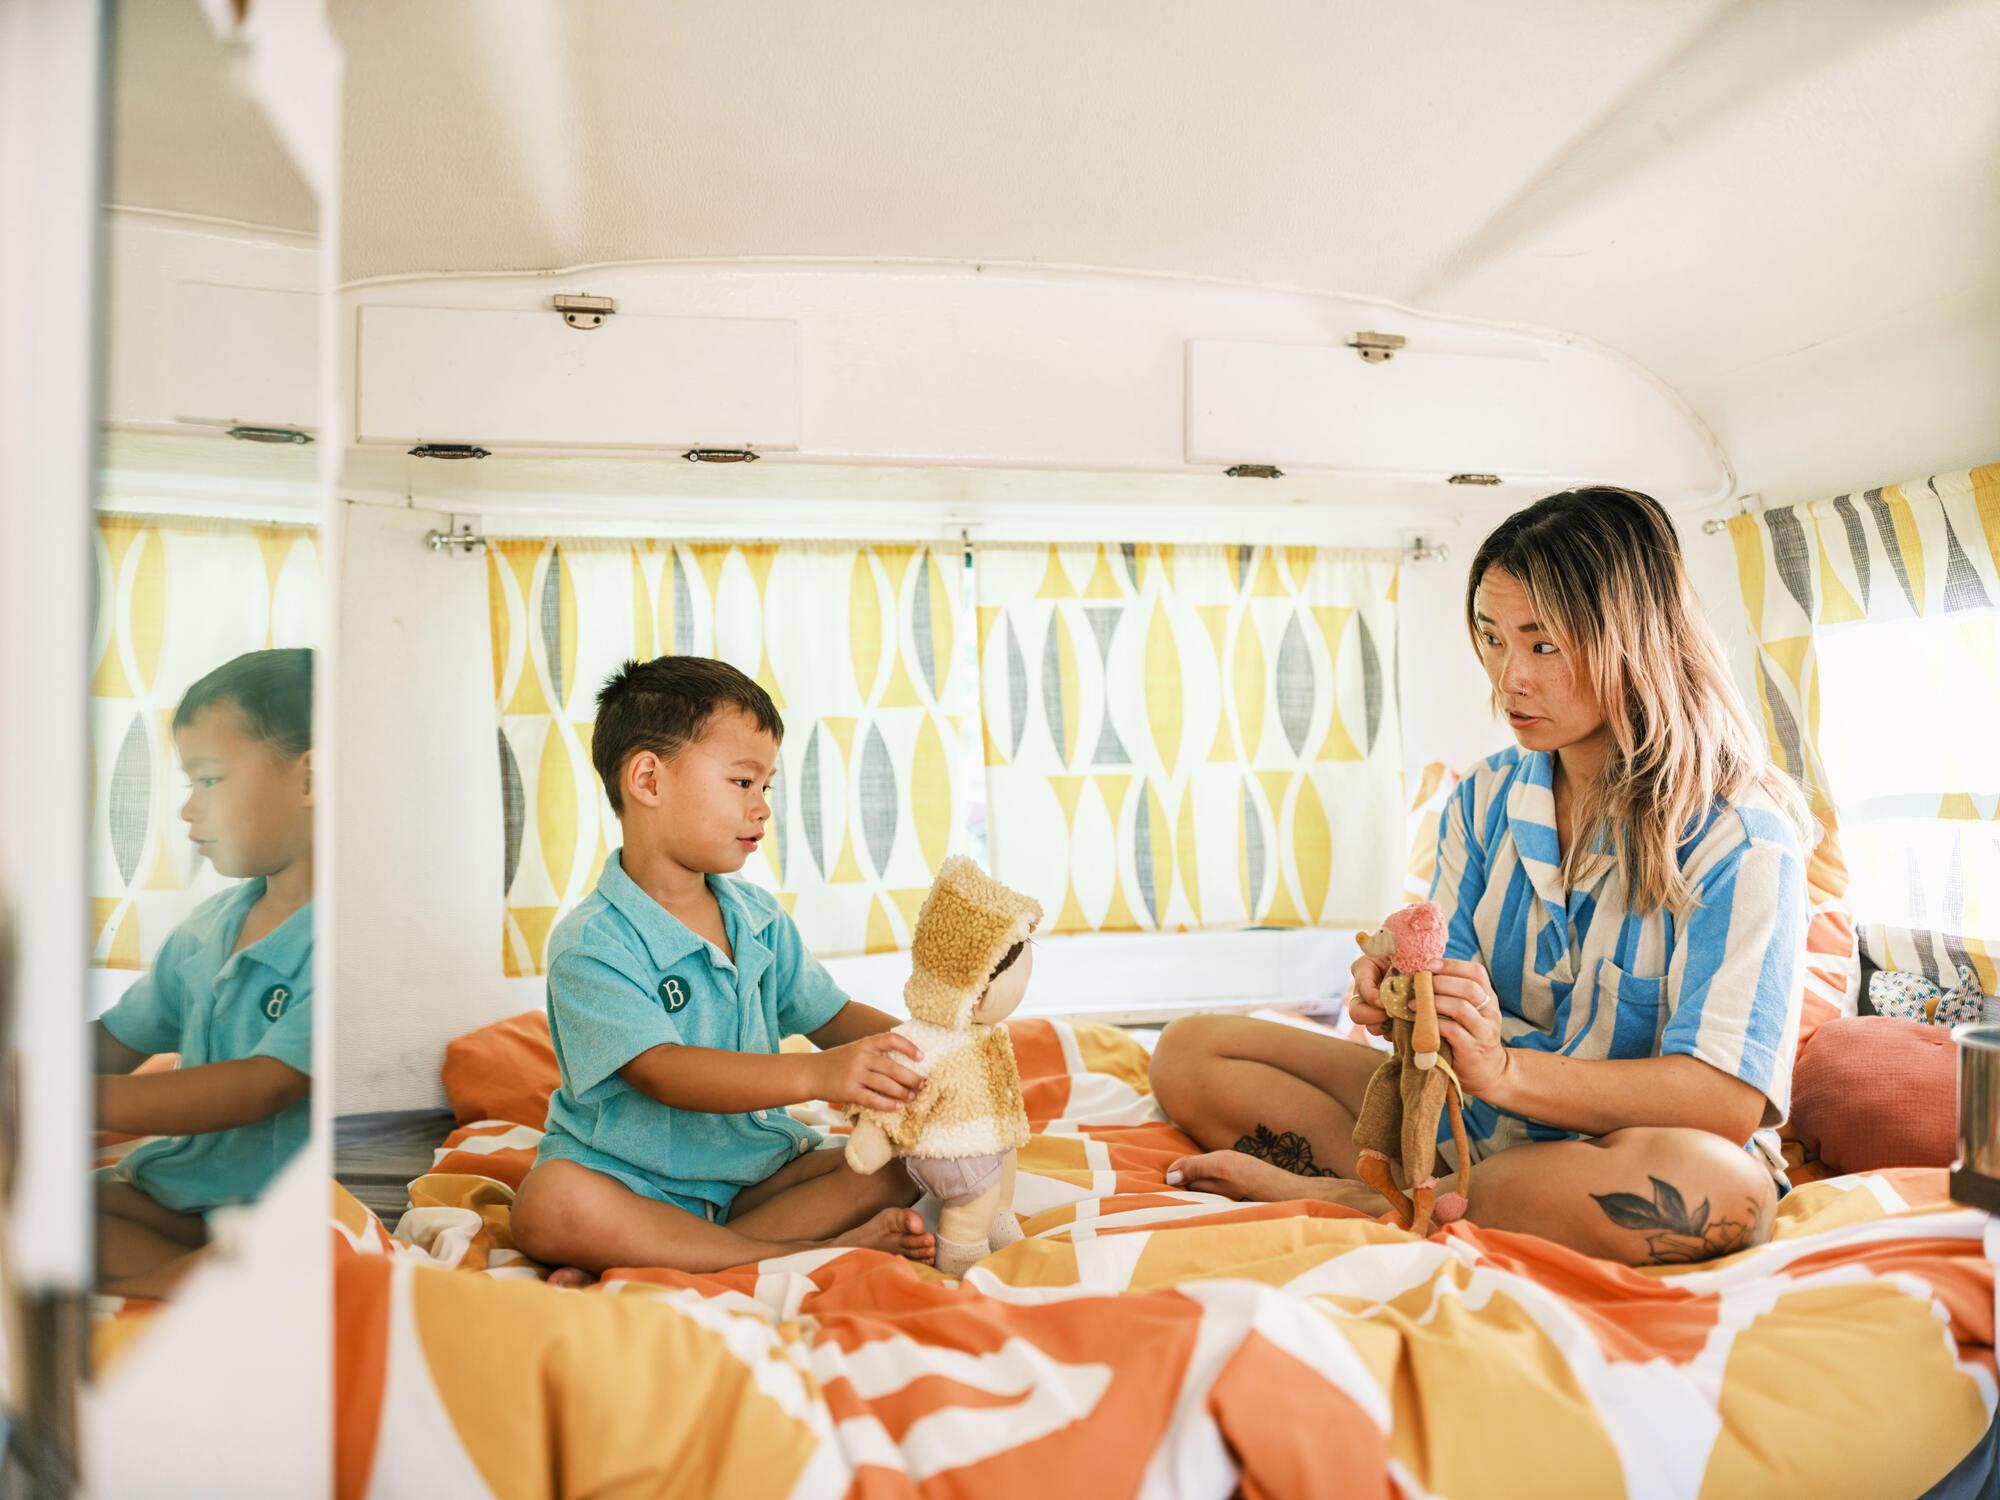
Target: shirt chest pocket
x,y
705,1011
1635,1002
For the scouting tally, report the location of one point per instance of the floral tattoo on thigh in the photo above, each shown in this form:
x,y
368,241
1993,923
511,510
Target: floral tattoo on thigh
x,y
1290,1150
1679,1235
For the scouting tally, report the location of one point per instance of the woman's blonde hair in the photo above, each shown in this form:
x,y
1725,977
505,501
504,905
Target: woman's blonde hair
x,y
1603,571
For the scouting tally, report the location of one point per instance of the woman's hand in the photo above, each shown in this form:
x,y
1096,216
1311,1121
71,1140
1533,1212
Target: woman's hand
x,y
1364,1001
1469,1019
866,1073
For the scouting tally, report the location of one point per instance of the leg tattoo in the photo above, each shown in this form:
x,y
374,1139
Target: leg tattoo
x,y
1291,1151
1676,1234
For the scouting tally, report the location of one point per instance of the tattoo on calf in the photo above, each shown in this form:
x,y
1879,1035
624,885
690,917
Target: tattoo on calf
x,y
1676,1234
1290,1150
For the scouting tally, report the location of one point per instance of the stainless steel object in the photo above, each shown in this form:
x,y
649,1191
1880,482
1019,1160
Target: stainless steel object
x,y
1975,1176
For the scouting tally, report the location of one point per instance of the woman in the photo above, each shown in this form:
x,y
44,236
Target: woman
x,y
1626,899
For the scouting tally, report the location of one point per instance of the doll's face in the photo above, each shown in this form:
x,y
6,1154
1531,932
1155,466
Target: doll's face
x,y
1004,993
1380,944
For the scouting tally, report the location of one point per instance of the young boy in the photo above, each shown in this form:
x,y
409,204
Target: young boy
x,y
670,987
231,990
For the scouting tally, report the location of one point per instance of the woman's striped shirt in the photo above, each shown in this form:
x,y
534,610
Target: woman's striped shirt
x,y
1578,973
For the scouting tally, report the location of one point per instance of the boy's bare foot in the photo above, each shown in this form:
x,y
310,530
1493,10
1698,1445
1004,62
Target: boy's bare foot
x,y
572,1276
900,1231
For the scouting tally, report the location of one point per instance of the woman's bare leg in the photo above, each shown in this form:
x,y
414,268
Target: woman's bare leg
x,y
1648,1195
1277,1092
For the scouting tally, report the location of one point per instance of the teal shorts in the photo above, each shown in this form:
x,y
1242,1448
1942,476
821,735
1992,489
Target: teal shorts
x,y
557,1146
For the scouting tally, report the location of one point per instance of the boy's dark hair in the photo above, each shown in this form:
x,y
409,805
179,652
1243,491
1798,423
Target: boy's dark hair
x,y
273,690
661,706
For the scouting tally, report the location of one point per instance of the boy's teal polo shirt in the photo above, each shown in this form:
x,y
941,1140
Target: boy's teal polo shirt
x,y
625,976
212,1005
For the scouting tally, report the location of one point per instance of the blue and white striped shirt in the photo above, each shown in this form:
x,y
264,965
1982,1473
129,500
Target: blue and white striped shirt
x,y
1578,973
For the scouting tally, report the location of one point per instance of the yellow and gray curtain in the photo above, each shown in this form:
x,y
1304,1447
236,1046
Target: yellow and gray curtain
x,y
856,644
175,599
1888,602
1192,736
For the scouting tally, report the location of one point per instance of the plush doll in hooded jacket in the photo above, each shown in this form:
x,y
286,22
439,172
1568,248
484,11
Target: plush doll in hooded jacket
x,y
970,962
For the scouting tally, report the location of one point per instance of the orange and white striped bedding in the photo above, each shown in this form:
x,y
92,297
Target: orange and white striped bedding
x,y
1150,1341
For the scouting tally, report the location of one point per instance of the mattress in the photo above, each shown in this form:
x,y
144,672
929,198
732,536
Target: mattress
x,y
1147,1340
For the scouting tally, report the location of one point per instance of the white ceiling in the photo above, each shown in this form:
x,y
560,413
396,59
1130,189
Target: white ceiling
x,y
186,137
1786,209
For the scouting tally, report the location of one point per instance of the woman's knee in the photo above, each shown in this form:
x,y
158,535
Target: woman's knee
x,y
1183,1052
1706,1197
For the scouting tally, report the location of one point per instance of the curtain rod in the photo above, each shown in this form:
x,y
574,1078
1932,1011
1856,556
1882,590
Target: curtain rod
x,y
463,538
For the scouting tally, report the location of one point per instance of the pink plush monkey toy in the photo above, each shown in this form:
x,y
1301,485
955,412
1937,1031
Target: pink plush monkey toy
x,y
1399,1113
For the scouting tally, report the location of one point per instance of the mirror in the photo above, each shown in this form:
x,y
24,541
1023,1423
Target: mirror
x,y
207,610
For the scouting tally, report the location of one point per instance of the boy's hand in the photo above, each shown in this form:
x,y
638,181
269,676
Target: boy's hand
x,y
866,1073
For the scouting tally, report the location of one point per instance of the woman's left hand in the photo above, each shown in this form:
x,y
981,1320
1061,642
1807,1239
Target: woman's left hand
x,y
1469,1018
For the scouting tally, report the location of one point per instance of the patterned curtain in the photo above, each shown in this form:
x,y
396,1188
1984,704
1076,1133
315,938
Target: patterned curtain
x,y
858,646
175,599
1887,605
1194,736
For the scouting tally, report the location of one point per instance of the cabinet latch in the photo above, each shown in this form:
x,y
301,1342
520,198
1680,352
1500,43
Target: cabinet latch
x,y
583,312
1376,348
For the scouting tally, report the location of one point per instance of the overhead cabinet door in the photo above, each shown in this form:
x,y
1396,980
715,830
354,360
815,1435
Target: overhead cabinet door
x,y
527,379
243,355
1423,413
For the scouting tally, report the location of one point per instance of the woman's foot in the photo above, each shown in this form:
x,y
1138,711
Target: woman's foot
x,y
900,1231
1234,1174
571,1276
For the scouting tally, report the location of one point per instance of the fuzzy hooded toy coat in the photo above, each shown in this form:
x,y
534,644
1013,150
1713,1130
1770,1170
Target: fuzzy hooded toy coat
x,y
970,1100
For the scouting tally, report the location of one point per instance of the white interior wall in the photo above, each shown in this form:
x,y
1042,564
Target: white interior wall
x,y
419,888
1446,715
1711,564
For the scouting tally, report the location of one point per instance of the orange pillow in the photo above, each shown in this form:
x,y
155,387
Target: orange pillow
x,y
505,1071
1877,1091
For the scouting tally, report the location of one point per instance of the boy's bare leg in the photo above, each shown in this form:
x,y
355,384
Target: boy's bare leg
x,y
567,1215
826,1198
1274,1091
139,1240
799,1169
1647,1195
159,1283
